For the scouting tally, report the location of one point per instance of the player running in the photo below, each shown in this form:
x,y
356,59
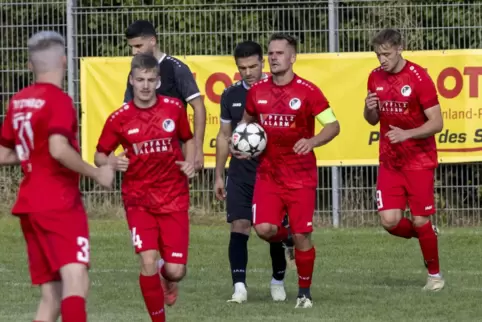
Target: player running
x,y
40,132
155,187
286,106
403,98
176,79
239,188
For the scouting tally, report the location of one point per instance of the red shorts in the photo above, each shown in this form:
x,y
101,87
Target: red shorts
x,y
396,188
54,240
271,202
168,233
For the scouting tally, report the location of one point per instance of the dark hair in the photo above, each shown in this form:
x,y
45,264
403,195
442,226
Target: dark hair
x,y
144,61
389,36
247,49
290,39
140,28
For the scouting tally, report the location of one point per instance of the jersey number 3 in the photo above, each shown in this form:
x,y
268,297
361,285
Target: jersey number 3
x,y
23,127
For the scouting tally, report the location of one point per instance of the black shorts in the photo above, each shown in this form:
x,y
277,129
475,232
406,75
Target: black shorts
x,y
239,198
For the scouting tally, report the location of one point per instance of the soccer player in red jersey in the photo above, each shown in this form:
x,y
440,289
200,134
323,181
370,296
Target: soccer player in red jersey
x,y
40,133
403,98
286,106
155,187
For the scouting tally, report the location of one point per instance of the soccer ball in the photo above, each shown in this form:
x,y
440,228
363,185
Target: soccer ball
x,y
249,138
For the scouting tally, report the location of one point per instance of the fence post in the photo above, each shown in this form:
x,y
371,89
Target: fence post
x,y
333,47
71,48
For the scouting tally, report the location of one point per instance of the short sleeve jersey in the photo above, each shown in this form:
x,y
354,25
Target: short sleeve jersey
x,y
177,81
152,139
404,97
233,102
287,114
34,114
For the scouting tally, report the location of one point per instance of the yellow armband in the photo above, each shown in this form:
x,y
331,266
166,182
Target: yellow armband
x,y
327,116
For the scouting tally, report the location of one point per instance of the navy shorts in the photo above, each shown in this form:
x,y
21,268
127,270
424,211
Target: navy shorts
x,y
239,198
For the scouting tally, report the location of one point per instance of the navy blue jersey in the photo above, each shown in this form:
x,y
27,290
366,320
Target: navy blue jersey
x,y
176,81
233,101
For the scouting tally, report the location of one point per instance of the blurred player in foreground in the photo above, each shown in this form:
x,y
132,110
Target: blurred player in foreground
x,y
239,188
286,106
403,98
155,187
40,132
176,79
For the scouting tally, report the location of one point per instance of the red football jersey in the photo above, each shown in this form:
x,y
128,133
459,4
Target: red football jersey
x,y
35,113
403,98
287,114
152,139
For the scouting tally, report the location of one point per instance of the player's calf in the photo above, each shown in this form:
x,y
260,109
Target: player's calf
x,y
75,286
151,286
305,255
395,224
271,233
49,306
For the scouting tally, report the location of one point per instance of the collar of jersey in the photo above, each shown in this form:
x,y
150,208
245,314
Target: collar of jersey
x,y
162,58
264,76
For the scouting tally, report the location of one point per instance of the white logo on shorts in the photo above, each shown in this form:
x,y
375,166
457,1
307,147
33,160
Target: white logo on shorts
x,y
179,255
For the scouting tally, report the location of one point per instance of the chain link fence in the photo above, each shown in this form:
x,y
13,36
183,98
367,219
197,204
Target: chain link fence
x,y
345,194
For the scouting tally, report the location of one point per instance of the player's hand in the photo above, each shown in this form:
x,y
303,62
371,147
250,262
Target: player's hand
x,y
397,135
303,146
219,189
119,162
105,176
187,168
199,159
371,101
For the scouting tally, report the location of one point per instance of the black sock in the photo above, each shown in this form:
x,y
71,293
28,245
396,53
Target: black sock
x,y
304,292
278,260
238,256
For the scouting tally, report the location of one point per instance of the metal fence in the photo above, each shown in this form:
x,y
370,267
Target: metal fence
x,y
345,194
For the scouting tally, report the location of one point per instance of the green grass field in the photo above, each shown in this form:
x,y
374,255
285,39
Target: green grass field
x,y
360,275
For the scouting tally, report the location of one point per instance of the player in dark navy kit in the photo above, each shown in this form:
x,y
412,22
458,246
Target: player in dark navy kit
x,y
176,80
239,185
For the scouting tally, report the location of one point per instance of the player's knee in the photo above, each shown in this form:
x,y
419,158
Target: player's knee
x,y
241,226
390,218
75,280
302,241
148,263
265,231
419,221
175,272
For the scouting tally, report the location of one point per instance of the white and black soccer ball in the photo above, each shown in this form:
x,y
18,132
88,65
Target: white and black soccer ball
x,y
249,138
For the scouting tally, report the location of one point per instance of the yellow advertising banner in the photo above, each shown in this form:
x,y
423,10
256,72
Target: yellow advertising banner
x,y
341,77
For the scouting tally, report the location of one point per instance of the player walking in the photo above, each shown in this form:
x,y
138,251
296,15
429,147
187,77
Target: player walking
x,y
40,132
286,106
155,187
249,60
176,79
403,98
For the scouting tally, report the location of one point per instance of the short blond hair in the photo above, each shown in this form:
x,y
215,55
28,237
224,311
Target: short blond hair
x,y
45,50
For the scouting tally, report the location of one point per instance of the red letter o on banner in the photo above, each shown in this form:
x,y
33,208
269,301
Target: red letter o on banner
x,y
211,81
459,82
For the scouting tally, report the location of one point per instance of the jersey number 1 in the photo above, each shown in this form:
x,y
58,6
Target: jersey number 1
x,y
23,127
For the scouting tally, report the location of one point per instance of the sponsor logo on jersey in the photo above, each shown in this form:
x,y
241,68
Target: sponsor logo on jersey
x,y
393,107
278,120
152,146
168,125
295,103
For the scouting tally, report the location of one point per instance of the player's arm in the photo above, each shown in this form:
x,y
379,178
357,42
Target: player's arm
x,y
107,144
331,127
185,135
7,142
432,126
249,115
186,85
222,139
371,112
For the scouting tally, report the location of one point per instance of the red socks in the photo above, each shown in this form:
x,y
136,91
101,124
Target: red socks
x,y
281,234
428,243
404,229
305,262
72,309
153,296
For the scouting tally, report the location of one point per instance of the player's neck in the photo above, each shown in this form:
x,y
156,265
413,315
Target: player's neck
x,y
53,78
145,104
284,78
158,53
401,64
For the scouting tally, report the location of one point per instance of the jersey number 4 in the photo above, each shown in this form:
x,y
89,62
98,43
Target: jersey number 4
x,y
23,127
